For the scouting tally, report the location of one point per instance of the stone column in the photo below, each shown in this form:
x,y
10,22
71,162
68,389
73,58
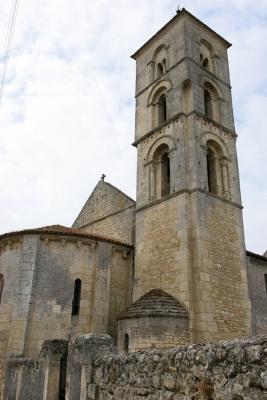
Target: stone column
x,y
151,71
225,178
172,172
24,294
84,350
152,181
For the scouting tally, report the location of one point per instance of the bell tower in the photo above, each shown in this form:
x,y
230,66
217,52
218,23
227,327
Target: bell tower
x,y
189,227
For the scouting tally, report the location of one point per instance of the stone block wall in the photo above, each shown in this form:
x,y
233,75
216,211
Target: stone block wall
x,y
232,370
257,282
151,332
39,273
108,212
33,379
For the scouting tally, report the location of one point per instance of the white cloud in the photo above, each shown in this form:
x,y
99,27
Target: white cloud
x,y
68,110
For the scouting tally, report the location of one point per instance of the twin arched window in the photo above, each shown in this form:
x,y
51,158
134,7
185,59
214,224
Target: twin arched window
x,y
207,58
217,170
160,173
211,102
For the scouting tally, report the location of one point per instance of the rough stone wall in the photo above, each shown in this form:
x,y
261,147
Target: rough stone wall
x,y
233,370
257,270
108,212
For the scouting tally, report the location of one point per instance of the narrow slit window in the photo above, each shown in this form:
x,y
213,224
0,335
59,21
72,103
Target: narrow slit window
x,y
1,286
206,63
265,279
160,70
162,109
76,298
165,174
126,343
211,171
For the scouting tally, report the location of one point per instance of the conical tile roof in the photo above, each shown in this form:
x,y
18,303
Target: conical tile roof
x,y
155,303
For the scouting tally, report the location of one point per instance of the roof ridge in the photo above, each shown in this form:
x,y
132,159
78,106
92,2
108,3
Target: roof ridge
x,y
53,229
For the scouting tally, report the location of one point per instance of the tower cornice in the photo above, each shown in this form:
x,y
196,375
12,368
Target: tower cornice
x,y
180,14
176,118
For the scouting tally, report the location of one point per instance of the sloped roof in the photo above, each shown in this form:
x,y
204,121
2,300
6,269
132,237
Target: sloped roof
x,y
155,303
63,231
104,200
178,15
257,256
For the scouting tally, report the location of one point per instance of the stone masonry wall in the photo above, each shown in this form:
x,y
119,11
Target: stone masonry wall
x,y
233,370
150,332
107,212
257,274
117,226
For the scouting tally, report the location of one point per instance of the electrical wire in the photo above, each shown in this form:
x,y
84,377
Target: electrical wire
x,y
9,37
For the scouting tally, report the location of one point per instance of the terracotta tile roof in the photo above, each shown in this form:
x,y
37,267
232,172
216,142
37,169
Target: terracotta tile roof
x,y
155,303
63,231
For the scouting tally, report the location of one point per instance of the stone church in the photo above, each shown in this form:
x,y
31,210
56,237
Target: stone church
x,y
171,267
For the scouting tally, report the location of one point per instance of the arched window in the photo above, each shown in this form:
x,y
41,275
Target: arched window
x,y
160,173
207,104
211,171
211,102
159,62
187,96
76,298
1,286
206,63
160,70
217,171
162,109
165,174
206,54
126,343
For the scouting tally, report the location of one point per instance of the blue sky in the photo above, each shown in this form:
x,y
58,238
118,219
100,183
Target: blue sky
x,y
67,114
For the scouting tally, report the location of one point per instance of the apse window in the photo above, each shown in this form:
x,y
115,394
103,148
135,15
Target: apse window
x,y
76,298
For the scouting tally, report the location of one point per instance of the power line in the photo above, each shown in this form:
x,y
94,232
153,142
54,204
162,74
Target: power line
x,y
8,42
